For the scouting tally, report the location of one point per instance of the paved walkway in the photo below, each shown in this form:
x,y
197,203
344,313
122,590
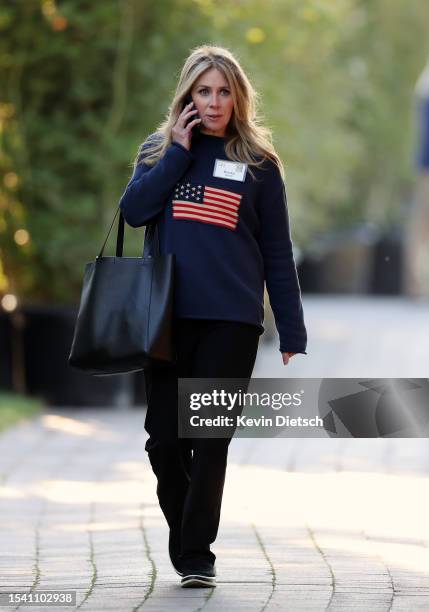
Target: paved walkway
x,y
351,336
306,524
316,524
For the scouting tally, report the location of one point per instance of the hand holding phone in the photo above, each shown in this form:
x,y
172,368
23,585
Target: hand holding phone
x,y
187,124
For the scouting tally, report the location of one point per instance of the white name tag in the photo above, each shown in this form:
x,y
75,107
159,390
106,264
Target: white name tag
x,y
235,171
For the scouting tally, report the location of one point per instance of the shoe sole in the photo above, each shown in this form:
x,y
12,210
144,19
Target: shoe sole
x,y
196,580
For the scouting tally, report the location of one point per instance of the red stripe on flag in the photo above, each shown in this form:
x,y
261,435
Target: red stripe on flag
x,y
204,213
206,220
218,202
222,192
207,207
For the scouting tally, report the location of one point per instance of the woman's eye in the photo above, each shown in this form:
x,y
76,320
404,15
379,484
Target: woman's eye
x,y
203,91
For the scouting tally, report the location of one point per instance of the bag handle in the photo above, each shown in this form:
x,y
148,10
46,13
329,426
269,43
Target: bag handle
x,y
150,243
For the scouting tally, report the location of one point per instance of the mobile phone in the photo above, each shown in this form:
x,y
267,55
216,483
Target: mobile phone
x,y
196,129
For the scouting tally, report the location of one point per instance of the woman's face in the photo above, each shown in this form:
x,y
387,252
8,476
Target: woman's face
x,y
212,96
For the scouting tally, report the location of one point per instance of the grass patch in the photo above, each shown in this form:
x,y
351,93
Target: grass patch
x,y
15,407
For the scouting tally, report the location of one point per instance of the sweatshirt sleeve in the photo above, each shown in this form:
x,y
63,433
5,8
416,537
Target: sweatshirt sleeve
x,y
280,270
150,186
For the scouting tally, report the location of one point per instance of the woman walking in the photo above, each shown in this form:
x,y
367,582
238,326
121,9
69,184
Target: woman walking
x,y
214,183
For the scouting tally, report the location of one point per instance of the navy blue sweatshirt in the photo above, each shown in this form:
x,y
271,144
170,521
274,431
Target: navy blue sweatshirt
x,y
228,236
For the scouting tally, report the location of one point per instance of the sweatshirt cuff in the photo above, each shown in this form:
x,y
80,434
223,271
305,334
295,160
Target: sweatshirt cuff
x,y
289,350
180,146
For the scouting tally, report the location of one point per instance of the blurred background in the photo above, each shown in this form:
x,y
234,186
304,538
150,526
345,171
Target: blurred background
x,y
344,88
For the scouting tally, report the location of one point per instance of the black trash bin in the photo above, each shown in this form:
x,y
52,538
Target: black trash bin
x,y
47,334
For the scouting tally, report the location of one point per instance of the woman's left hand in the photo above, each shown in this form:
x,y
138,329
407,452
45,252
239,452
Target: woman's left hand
x,y
286,357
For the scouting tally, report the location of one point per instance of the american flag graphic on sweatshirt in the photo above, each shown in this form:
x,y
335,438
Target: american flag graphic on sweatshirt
x,y
206,204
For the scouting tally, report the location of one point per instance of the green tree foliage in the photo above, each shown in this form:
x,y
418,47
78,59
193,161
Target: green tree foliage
x,y
82,84
385,56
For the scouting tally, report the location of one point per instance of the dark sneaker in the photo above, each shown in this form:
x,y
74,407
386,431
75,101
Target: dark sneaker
x,y
198,574
174,552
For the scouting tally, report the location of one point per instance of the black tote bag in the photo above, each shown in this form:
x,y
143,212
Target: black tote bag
x,y
124,321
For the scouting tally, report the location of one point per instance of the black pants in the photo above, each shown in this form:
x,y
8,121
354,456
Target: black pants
x,y
191,472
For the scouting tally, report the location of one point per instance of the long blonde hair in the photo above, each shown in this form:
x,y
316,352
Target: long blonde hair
x,y
246,140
